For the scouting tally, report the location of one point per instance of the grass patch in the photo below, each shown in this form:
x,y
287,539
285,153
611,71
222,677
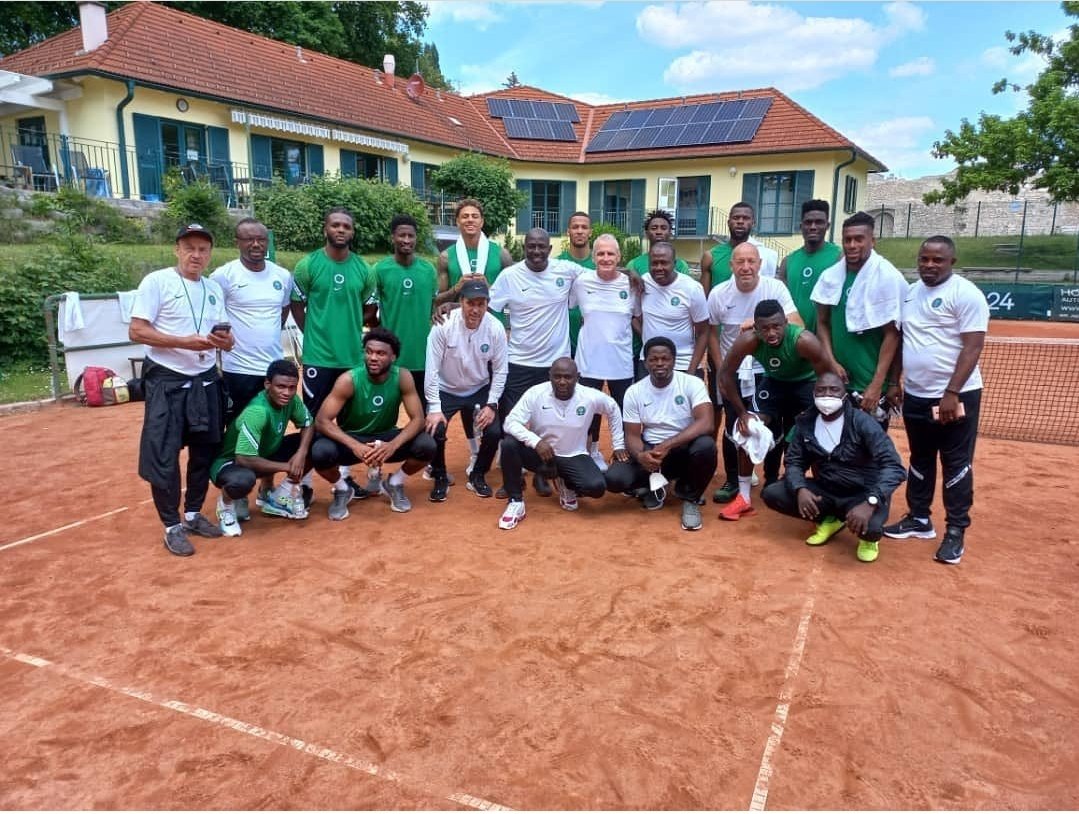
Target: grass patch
x,y
27,384
1042,252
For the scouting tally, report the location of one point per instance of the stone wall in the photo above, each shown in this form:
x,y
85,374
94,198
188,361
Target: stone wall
x,y
896,205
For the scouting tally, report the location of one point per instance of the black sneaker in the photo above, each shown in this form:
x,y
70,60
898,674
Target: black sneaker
x,y
201,526
725,493
478,484
910,527
358,492
177,543
541,485
440,489
951,548
652,501
308,494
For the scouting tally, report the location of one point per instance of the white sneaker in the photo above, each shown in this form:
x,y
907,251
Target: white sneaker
x,y
226,517
567,498
601,462
754,480
513,514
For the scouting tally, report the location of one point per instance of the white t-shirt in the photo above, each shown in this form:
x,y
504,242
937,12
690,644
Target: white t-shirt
x,y
563,424
605,344
177,306
538,305
769,258
253,303
461,361
729,308
828,433
671,311
663,412
933,319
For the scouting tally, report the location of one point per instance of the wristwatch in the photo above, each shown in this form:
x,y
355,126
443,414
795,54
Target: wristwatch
x,y
872,500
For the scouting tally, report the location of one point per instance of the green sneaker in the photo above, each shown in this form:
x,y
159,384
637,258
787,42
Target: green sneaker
x,y
867,551
827,528
726,493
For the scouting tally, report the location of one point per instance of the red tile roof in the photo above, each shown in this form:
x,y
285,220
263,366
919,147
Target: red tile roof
x,y
169,49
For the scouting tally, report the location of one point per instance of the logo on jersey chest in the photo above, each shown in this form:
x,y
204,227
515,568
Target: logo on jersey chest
x,y
807,271
580,411
277,285
212,299
936,303
484,348
407,284
280,427
338,281
623,295
378,401
676,301
774,362
560,282
679,400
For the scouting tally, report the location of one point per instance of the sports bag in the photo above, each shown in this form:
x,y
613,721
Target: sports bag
x,y
100,387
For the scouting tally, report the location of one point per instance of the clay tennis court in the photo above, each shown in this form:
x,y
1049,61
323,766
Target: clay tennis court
x,y
599,660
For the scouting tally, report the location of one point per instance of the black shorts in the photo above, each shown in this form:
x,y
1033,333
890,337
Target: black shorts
x,y
316,383
783,399
240,388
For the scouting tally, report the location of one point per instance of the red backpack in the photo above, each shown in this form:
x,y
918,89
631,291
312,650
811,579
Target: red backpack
x,y
100,387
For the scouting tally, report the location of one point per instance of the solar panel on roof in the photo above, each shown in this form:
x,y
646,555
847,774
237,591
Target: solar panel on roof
x,y
539,128
566,112
644,138
621,140
734,109
681,115
660,116
637,118
521,108
744,130
727,122
669,135
563,131
601,141
616,119
717,132
516,128
706,113
543,110
757,107
498,108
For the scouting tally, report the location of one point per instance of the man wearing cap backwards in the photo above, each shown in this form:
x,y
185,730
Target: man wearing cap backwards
x,y
466,373
180,317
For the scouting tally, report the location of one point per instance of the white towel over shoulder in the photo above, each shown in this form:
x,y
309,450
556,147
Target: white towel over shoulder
x,y
875,299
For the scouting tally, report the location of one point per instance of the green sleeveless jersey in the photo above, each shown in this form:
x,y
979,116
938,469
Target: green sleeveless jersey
x,y
783,363
406,297
721,263
803,269
857,352
575,313
373,408
494,263
639,264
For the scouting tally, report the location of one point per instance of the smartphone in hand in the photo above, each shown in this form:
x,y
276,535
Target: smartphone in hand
x,y
221,328
960,413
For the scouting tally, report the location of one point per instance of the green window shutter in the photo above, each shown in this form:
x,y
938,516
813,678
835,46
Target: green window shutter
x,y
314,160
636,206
595,201
803,191
148,157
391,171
567,204
261,159
348,163
751,189
524,213
704,194
217,141
417,177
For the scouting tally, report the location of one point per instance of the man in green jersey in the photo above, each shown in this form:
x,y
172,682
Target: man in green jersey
x,y
579,231
800,269
331,304
792,358
358,422
256,446
659,228
859,307
716,262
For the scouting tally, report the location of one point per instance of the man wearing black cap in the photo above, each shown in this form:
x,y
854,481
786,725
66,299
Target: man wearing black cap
x,y
466,368
180,317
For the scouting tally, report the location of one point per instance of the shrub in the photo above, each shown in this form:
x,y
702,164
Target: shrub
x,y
489,180
95,216
197,202
73,262
515,246
630,247
295,214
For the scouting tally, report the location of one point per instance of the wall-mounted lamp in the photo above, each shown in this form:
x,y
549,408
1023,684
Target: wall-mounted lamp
x,y
733,171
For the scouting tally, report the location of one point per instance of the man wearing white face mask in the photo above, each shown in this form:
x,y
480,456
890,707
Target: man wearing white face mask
x,y
856,470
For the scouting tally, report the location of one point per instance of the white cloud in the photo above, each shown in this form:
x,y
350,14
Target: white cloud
x,y
903,143
479,15
772,44
922,66
592,98
487,76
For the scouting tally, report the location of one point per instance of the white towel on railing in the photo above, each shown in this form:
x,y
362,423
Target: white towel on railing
x,y
70,315
127,302
875,298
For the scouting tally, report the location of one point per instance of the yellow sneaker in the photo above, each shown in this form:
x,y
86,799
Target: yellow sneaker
x,y
867,551
827,528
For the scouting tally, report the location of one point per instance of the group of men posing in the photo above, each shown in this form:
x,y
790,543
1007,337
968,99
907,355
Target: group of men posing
x,y
803,360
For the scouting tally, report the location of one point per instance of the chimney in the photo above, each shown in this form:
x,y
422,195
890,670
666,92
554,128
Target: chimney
x,y
388,66
95,30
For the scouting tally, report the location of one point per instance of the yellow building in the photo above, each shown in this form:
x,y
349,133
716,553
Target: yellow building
x,y
116,103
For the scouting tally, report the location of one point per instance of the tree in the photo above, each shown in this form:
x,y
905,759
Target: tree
x,y
359,32
1039,145
512,81
489,180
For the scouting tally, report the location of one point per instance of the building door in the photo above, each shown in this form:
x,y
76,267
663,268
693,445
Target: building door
x,y
668,199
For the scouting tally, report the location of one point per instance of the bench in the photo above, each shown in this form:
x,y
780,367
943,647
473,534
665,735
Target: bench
x,y
1006,248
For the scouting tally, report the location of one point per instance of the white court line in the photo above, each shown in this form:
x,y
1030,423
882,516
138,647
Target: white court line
x,y
74,525
779,722
307,748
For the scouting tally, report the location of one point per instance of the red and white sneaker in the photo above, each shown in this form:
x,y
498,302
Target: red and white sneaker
x,y
736,509
567,498
513,514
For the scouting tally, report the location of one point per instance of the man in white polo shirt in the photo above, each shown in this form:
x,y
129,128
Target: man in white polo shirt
x,y
257,294
945,319
466,373
536,294
674,306
548,429
730,309
179,316
669,424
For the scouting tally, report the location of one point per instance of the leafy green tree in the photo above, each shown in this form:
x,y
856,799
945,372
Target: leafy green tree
x,y
24,24
512,81
488,180
1039,145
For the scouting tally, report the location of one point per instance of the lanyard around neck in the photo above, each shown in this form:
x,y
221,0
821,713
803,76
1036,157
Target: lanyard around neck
x,y
202,312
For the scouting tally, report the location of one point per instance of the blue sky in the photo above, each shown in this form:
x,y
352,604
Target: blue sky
x,y
891,76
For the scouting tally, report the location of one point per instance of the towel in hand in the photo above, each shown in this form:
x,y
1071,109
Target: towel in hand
x,y
757,443
875,298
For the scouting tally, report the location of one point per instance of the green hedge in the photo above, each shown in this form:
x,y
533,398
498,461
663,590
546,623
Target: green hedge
x,y
295,213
